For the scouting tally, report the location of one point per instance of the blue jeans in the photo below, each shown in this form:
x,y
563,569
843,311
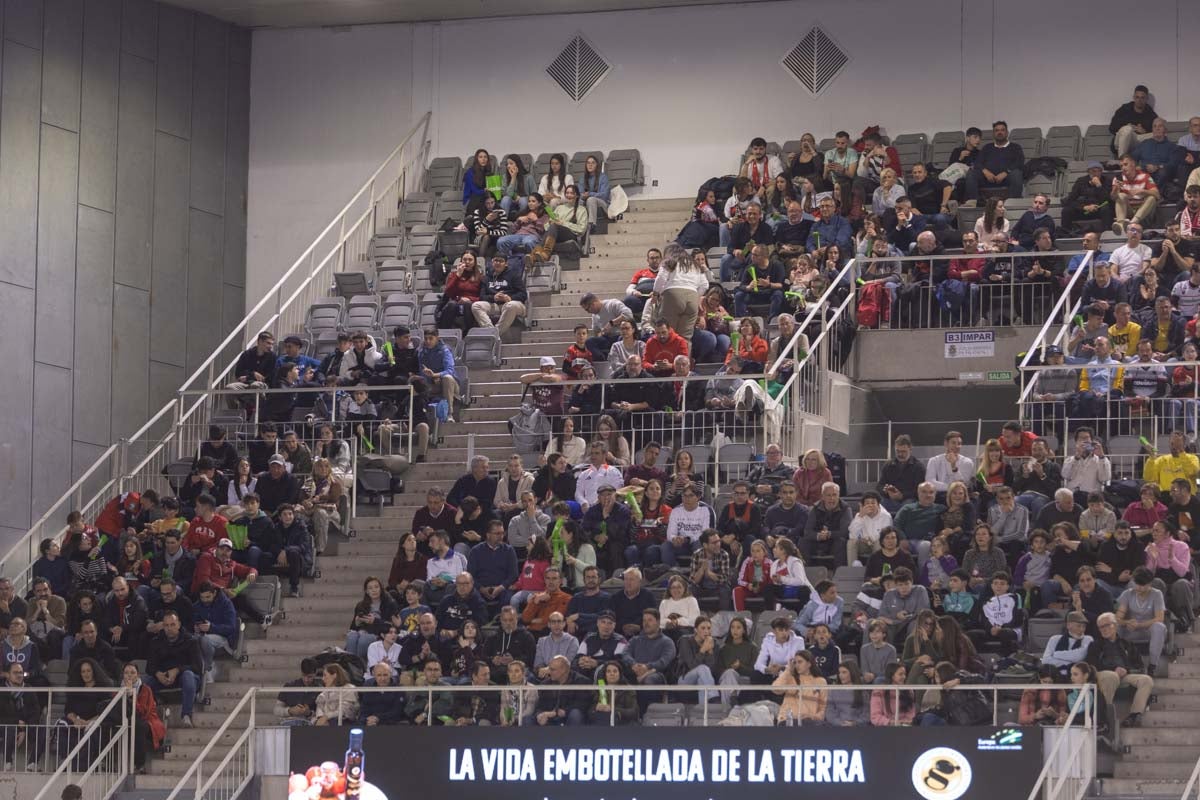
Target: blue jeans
x,y
187,681
709,348
357,643
599,346
1033,501
732,267
743,298
526,241
652,555
975,180
1187,408
670,553
506,203
636,303
724,233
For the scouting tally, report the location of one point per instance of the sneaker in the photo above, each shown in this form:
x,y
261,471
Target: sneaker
x,y
1133,720
32,766
210,676
294,591
185,721
8,765
267,620
450,419
1118,228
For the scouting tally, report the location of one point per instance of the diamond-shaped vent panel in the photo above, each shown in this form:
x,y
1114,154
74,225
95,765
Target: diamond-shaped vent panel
x,y
815,61
578,68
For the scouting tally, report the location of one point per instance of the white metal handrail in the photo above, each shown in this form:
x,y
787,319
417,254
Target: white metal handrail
x,y
195,773
1192,787
1085,703
165,436
122,738
1039,341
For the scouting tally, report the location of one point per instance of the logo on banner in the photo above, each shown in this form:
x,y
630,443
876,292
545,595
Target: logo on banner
x,y
941,774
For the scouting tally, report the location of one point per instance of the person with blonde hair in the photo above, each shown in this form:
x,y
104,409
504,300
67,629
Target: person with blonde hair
x,y
810,476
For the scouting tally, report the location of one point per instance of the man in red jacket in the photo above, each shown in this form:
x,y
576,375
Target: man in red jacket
x,y
662,349
218,568
206,528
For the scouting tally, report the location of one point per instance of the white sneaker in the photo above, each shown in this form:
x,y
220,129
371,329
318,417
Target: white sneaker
x,y
210,677
858,562
185,721
1118,228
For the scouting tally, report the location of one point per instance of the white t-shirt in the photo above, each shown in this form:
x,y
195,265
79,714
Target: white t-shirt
x,y
1128,260
1188,297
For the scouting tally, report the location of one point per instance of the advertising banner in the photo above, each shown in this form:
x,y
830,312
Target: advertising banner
x,y
715,763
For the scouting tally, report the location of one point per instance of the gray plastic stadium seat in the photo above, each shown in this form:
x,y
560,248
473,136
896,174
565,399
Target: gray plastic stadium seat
x,y
734,461
910,147
429,304
1176,129
362,313
325,343
540,167
482,347
391,280
790,146
448,206
353,283
1030,140
325,315
1040,183
942,144
398,308
825,144
452,243
417,209
1063,141
579,162
1097,144
453,339
444,174
625,168
421,283
421,240
386,246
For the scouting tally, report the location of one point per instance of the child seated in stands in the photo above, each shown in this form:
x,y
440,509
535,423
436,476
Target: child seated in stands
x,y
877,653
935,575
959,601
1033,569
999,617
827,656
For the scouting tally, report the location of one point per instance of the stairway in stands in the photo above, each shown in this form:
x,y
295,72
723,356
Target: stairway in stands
x,y
320,618
1164,750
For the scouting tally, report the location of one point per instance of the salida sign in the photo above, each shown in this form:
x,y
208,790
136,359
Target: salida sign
x,y
627,763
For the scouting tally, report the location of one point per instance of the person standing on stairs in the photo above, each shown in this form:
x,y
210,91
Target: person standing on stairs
x,y
680,283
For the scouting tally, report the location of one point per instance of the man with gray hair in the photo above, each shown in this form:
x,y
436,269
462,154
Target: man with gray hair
x,y
478,484
1063,509
1118,663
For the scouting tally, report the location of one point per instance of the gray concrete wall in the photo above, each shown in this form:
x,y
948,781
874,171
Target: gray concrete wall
x,y
124,133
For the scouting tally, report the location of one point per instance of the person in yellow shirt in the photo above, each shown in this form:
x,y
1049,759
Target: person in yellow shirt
x,y
1125,333
1161,470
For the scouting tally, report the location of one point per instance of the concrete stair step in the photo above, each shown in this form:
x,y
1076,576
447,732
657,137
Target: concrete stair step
x,y
556,349
645,238
1176,685
629,254
1153,737
636,227
154,782
1184,668
1142,787
1170,770
1167,702
1170,719
296,645
559,313
649,216
1172,753
281,662
658,204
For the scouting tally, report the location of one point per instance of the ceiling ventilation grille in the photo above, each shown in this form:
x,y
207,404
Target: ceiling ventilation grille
x,y
815,61
578,68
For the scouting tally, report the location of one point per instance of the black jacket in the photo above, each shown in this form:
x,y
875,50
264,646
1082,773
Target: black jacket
x,y
1128,115
519,644
552,697
741,236
274,493
904,476
184,653
21,707
182,572
250,362
510,283
1083,193
387,707
102,653
1122,653
1046,485
182,606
